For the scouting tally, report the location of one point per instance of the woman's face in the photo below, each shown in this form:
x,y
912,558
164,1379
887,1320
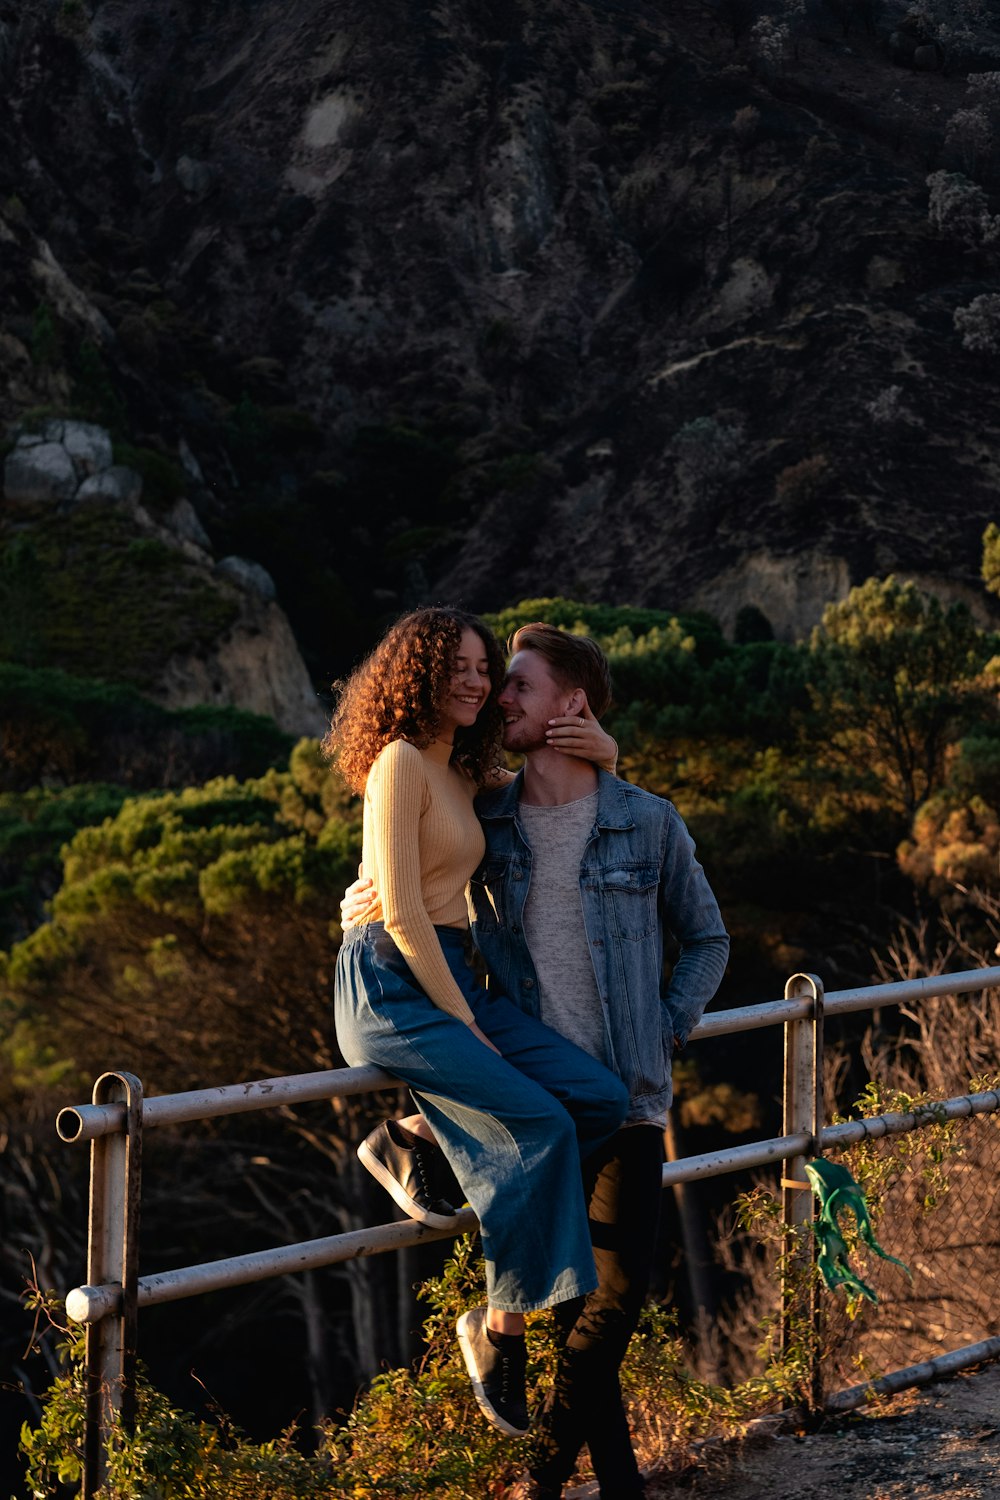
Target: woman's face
x,y
469,687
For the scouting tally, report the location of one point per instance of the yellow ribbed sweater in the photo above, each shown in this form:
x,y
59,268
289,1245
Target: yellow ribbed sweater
x,y
422,841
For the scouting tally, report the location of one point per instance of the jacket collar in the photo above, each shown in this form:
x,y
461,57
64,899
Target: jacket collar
x,y
612,801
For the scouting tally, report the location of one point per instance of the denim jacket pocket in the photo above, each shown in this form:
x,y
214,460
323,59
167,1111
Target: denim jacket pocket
x,y
489,890
629,892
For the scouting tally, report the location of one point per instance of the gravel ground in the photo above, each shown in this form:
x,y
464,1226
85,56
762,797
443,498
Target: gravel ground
x,y
938,1440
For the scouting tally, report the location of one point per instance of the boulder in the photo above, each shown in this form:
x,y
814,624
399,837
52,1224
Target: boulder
x,y
189,463
255,666
42,474
249,576
182,520
115,486
88,445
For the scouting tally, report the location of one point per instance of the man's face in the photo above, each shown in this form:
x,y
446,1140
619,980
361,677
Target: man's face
x,y
530,697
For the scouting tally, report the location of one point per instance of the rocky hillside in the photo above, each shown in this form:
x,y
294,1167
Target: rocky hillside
x,y
649,303
94,583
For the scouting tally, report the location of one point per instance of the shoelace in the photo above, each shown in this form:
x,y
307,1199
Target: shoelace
x,y
418,1162
505,1364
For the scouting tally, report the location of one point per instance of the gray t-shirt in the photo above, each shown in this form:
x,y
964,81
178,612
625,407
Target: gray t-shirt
x,y
553,921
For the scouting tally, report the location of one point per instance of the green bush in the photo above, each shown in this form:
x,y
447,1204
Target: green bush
x,y
85,594
34,826
58,728
46,345
171,1456
163,479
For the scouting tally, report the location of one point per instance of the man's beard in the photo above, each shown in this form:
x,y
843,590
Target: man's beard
x,y
525,741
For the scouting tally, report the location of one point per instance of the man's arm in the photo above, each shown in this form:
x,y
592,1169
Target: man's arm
x,y
689,909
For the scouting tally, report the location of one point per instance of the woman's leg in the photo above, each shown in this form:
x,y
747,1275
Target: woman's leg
x,y
513,1144
595,1097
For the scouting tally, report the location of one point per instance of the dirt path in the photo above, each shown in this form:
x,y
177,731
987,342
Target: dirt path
x,y
940,1440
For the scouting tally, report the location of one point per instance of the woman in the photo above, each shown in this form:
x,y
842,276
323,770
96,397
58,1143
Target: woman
x,y
514,1105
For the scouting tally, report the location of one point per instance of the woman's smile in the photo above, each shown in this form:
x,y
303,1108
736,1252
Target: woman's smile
x,y
470,685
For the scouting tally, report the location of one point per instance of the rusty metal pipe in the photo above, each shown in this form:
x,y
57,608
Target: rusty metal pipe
x,y
89,1304
87,1122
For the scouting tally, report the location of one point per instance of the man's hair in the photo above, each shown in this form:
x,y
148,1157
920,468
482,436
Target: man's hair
x,y
575,661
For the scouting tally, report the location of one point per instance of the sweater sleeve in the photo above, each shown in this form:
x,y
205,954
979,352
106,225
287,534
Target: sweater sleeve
x,y
396,789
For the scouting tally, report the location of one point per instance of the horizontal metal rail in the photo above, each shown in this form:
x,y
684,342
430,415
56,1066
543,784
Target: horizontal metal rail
x,y
114,1129
833,1137
88,1122
922,1374
88,1304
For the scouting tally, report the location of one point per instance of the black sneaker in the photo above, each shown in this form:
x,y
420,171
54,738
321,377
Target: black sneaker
x,y
410,1174
497,1375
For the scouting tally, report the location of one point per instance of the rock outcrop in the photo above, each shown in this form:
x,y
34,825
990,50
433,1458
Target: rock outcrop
x,y
255,664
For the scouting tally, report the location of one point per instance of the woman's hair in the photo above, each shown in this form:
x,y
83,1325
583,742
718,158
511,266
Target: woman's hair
x,y
397,692
575,661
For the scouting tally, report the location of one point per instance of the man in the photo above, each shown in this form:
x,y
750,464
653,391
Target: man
x,y
582,875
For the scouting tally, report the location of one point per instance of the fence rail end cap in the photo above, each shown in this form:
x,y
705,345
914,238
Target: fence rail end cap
x,y
89,1304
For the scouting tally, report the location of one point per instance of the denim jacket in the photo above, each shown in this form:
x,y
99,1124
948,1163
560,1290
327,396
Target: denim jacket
x,y
638,876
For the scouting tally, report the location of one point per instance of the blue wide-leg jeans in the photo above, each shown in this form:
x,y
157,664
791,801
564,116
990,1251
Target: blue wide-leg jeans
x,y
514,1127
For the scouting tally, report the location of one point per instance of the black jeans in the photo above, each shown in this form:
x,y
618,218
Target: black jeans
x,y
622,1184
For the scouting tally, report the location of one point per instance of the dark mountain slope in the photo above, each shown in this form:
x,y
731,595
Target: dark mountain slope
x,y
480,301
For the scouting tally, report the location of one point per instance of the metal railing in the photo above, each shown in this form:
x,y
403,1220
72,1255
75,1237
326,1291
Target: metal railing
x,y
109,1303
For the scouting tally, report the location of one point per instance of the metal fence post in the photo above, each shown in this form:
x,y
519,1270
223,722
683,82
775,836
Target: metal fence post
x,y
803,1111
113,1256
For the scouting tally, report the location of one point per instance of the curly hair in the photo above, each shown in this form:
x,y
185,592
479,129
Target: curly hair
x,y
397,692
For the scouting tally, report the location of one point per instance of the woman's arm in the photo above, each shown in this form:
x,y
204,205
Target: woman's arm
x,y
396,791
358,901
572,734
582,735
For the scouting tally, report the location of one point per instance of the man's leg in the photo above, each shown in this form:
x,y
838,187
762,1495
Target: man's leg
x,y
585,1405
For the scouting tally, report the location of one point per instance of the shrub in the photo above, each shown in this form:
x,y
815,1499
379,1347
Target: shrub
x,y
163,479
802,483
414,1432
58,728
959,207
45,342
709,453
104,603
979,323
888,409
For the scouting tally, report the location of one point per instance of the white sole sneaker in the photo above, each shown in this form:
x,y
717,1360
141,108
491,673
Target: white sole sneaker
x,y
467,1343
400,1196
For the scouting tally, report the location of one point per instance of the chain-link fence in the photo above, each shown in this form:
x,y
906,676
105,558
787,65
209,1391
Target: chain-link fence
x,y
937,1208
934,1197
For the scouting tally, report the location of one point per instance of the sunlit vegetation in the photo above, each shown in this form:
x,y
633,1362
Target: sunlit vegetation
x,y
190,935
